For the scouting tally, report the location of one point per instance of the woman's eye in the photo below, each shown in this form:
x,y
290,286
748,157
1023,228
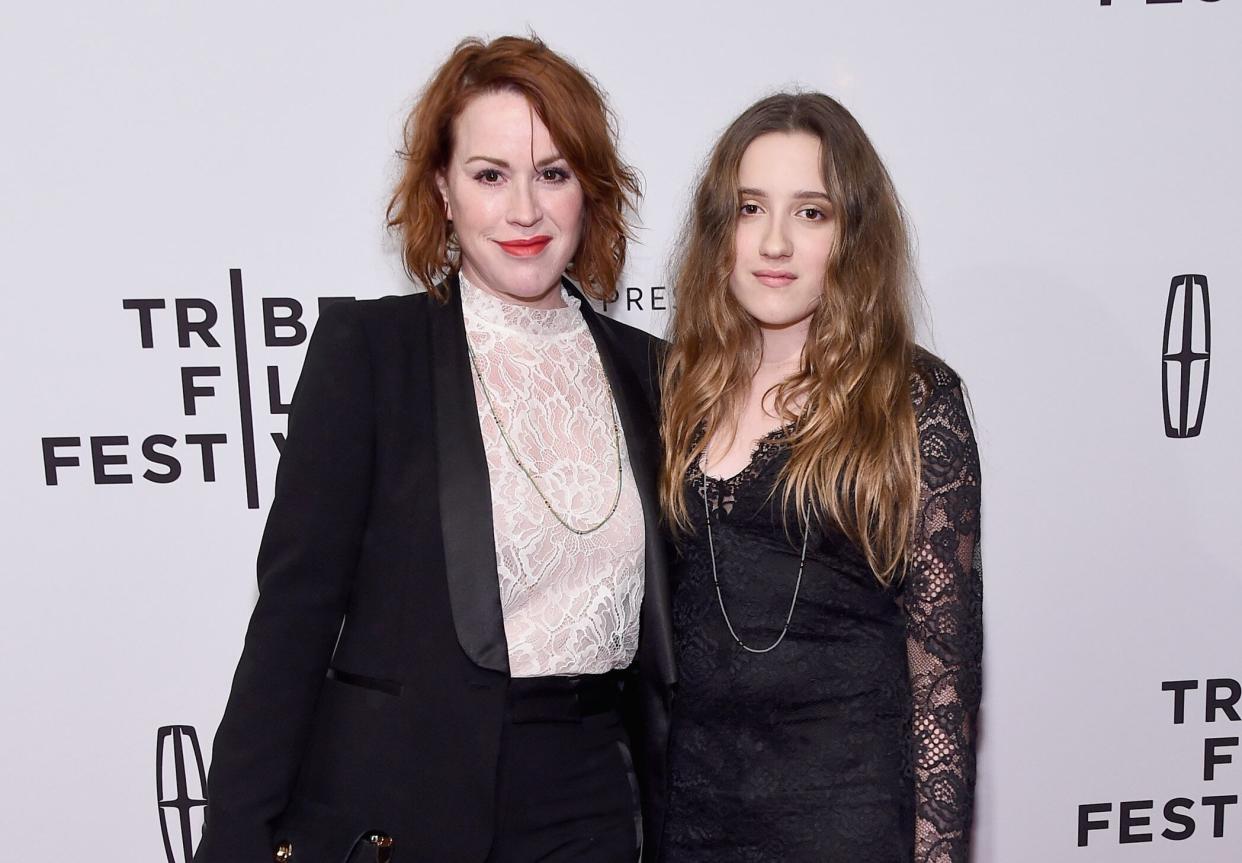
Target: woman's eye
x,y
748,209
488,175
813,214
555,175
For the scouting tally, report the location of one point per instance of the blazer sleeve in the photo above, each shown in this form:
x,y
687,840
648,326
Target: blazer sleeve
x,y
305,566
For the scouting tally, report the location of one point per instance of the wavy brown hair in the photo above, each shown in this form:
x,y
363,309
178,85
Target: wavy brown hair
x,y
854,456
569,103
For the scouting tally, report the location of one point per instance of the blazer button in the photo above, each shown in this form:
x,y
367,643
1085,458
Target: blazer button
x,y
283,852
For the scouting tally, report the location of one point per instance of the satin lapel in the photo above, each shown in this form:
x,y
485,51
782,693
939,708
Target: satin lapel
x,y
642,441
465,492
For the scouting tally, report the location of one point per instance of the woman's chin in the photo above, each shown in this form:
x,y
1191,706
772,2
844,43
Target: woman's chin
x,y
517,281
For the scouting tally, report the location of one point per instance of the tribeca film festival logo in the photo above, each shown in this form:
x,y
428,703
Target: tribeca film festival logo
x,y
191,320
180,789
1187,355
1132,821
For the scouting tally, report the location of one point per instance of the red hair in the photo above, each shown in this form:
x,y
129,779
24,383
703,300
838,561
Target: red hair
x,y
583,128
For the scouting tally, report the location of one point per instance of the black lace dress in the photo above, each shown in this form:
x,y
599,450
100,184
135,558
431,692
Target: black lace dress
x,y
853,740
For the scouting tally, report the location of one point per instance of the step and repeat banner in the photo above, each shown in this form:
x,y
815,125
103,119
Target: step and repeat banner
x,y
185,186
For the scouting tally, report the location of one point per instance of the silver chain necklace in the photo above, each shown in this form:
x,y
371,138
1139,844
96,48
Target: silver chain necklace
x,y
616,443
711,545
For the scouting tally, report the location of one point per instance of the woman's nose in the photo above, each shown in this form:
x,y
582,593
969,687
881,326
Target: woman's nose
x,y
524,206
775,242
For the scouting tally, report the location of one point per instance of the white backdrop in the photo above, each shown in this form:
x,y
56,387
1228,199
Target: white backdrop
x,y
1062,161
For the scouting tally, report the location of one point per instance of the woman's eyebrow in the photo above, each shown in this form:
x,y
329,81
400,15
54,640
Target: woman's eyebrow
x,y
501,163
800,195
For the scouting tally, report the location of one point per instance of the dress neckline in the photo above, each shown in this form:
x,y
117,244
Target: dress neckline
x,y
755,446
488,310
724,489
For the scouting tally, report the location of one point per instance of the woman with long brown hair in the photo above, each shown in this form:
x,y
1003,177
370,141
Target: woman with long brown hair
x,y
821,477
444,661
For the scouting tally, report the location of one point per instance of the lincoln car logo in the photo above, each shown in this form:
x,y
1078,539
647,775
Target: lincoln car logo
x,y
179,783
1187,352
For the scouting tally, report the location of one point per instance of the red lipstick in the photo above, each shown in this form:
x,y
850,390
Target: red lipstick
x,y
526,247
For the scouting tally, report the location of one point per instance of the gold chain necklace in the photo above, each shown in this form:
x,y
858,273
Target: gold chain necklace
x,y
616,444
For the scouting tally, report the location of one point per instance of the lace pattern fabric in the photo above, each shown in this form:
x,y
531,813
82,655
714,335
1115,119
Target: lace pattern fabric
x,y
942,598
571,603
854,740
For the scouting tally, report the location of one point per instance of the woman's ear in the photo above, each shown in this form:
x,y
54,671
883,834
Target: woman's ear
x,y
442,185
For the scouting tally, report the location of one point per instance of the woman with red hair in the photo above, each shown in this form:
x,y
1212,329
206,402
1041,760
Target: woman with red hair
x,y
463,546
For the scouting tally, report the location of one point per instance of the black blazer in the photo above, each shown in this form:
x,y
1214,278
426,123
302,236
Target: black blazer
x,y
372,684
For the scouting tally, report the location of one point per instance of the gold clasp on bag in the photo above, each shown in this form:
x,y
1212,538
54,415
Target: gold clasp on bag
x,y
382,843
383,846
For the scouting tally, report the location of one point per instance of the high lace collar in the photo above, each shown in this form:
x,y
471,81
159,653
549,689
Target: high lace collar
x,y
483,308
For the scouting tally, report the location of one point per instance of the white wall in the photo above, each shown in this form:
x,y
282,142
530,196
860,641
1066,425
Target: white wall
x,y
1062,162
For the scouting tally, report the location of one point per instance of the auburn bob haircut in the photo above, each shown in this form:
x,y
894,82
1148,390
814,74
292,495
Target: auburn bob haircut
x,y
573,108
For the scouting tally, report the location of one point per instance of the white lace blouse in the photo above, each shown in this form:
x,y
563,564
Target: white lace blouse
x,y
571,602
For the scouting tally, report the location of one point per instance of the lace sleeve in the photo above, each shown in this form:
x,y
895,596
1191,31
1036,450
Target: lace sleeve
x,y
943,600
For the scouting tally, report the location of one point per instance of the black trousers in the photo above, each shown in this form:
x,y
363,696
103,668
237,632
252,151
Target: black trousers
x,y
566,789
